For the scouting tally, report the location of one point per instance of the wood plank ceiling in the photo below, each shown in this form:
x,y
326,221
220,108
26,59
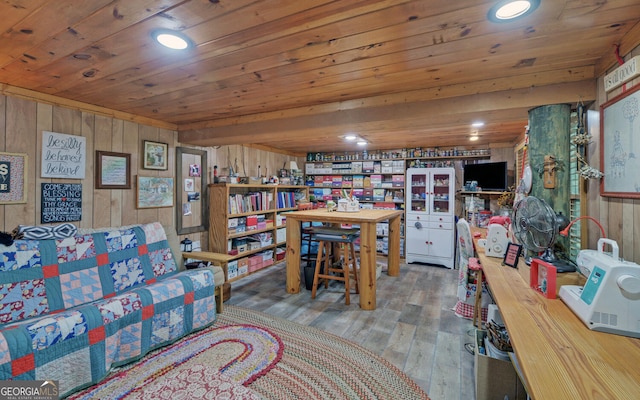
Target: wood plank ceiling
x,y
296,75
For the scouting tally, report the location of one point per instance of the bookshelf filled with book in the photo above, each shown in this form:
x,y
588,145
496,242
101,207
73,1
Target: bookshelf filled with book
x,y
248,223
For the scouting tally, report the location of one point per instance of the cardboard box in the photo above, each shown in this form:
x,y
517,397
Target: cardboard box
x,y
495,379
243,266
232,269
387,167
281,235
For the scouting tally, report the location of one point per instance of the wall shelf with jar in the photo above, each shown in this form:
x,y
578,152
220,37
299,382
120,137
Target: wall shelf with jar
x,y
402,154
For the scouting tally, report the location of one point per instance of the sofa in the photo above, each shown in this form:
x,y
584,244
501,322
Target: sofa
x,y
71,308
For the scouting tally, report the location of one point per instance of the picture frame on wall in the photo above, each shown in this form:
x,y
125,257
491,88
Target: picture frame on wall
x,y
154,192
155,155
113,170
620,145
13,178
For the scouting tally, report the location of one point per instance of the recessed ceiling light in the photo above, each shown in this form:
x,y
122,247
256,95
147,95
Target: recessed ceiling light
x,y
362,142
509,10
172,39
473,138
477,124
350,137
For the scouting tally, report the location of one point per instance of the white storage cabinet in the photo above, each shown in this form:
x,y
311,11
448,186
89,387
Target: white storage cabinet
x,y
430,221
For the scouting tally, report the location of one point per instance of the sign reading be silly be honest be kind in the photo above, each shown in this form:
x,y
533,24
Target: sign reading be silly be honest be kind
x,y
63,156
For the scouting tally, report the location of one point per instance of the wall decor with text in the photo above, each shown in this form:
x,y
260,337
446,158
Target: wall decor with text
x,y
63,156
61,202
113,170
13,178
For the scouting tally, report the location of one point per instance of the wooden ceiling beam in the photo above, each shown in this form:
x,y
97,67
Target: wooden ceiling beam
x,y
443,112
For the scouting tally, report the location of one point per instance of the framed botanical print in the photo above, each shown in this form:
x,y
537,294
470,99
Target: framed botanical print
x,y
155,155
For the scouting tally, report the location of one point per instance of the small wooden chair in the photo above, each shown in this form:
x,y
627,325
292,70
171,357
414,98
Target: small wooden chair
x,y
342,239
474,265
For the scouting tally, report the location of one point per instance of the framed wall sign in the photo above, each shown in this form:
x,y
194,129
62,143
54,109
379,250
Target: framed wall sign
x,y
512,254
13,178
63,156
154,192
113,170
620,145
61,202
155,155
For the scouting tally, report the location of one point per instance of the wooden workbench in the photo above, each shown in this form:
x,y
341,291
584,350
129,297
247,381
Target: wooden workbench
x,y
559,357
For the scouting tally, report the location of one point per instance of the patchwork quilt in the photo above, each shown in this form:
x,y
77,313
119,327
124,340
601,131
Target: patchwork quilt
x,y
72,308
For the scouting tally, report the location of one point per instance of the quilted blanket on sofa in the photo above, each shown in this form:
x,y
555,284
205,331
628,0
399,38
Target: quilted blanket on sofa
x,y
72,308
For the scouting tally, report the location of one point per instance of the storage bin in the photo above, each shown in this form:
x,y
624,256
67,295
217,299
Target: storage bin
x,y
495,379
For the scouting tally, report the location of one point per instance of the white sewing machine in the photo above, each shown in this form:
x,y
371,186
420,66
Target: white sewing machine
x,y
497,240
610,299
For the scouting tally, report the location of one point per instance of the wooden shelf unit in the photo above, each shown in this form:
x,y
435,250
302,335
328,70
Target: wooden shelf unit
x,y
220,216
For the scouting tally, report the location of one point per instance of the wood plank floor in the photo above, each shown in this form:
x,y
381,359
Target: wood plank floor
x,y
413,326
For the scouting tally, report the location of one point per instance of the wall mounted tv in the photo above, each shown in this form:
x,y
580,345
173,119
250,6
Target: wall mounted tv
x,y
491,176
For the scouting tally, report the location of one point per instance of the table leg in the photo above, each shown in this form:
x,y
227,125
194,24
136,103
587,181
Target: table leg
x,y
293,256
368,266
393,258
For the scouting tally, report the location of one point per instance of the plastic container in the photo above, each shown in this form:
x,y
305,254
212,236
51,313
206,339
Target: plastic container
x,y
483,218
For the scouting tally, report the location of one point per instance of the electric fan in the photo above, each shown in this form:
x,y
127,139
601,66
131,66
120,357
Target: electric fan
x,y
535,226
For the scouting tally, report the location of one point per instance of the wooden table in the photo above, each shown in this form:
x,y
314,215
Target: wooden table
x,y
367,220
560,358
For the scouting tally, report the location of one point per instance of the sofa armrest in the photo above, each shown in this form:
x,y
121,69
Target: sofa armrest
x,y
219,270
219,259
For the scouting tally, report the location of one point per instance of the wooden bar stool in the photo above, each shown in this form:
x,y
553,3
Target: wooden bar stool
x,y
343,240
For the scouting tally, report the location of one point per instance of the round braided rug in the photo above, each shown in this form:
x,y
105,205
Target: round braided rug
x,y
233,354
320,365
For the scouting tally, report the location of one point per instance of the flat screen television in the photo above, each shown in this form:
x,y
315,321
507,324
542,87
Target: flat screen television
x,y
491,176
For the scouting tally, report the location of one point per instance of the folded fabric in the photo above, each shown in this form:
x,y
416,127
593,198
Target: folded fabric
x,y
61,231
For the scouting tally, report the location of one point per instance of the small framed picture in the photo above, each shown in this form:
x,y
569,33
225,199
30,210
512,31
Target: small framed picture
x,y
155,155
113,170
512,255
154,192
542,278
189,185
194,169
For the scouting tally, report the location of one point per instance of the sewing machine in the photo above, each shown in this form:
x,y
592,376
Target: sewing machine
x,y
609,301
496,243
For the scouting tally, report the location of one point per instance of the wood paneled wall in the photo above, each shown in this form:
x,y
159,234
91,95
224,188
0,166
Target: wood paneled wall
x,y
620,217
22,122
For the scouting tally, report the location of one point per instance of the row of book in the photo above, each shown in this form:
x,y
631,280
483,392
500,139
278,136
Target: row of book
x,y
250,202
286,199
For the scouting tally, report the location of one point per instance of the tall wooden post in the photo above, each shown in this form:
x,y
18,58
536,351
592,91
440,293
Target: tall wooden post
x,y
549,135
